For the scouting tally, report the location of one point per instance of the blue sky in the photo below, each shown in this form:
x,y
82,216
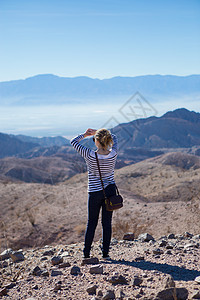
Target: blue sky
x,y
99,39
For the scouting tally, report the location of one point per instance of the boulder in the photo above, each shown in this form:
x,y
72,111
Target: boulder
x,y
162,243
136,281
3,264
139,258
171,236
197,279
169,282
158,251
145,237
92,289
195,295
109,294
5,254
36,271
45,273
56,260
188,235
17,256
90,261
3,291
64,265
57,287
48,252
98,269
75,270
117,279
56,272
129,236
172,293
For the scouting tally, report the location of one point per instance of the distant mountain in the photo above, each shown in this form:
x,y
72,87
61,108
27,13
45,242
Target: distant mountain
x,y
175,129
51,89
44,141
29,147
10,145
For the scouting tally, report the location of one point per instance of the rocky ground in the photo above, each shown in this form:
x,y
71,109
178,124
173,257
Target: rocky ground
x,y
143,268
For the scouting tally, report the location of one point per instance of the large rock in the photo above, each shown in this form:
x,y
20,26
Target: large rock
x,y
56,260
195,295
162,243
3,264
75,270
64,265
171,236
118,279
196,237
92,289
36,271
129,236
197,279
3,291
56,273
5,254
108,295
188,234
17,256
145,237
98,269
169,282
158,251
173,293
90,261
48,252
137,281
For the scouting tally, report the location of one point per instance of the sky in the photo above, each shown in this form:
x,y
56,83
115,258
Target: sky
x,y
99,38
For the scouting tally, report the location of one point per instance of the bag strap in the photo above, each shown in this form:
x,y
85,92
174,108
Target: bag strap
x,y
101,177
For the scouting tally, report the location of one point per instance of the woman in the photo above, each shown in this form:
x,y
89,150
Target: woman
x,y
106,144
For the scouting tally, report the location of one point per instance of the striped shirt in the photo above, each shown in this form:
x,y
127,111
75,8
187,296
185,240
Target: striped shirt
x,y
106,162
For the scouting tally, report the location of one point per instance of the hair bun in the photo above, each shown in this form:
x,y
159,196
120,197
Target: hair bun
x,y
104,137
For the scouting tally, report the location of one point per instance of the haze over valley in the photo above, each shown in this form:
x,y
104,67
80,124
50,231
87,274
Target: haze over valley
x,y
48,105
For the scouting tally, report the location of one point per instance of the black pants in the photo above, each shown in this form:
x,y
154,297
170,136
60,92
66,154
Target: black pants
x,y
96,201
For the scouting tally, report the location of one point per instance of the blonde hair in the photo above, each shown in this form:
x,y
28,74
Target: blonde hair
x,y
103,136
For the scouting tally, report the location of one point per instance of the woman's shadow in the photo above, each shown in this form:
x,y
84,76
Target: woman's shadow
x,y
178,273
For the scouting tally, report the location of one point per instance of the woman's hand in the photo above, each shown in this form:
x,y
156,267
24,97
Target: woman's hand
x,y
89,132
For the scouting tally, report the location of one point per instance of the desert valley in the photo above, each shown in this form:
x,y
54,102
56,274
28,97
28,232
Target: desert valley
x,y
43,204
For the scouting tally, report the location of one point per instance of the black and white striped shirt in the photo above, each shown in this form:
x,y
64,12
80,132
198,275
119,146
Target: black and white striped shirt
x,y
106,162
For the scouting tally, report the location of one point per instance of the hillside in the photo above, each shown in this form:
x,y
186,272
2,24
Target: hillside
x,y
10,145
159,195
42,169
51,89
176,129
168,177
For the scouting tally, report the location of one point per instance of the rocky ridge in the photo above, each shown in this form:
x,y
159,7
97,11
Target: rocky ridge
x,y
142,268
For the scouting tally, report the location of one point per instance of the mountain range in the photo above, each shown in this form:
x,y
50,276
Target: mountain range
x,y
175,129
51,160
51,89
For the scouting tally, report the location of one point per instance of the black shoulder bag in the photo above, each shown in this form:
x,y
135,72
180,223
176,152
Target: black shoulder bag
x,y
113,202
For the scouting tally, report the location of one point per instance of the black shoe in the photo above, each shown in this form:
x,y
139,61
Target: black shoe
x,y
106,256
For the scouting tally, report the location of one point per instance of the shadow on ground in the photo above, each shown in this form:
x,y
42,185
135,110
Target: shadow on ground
x,y
178,273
